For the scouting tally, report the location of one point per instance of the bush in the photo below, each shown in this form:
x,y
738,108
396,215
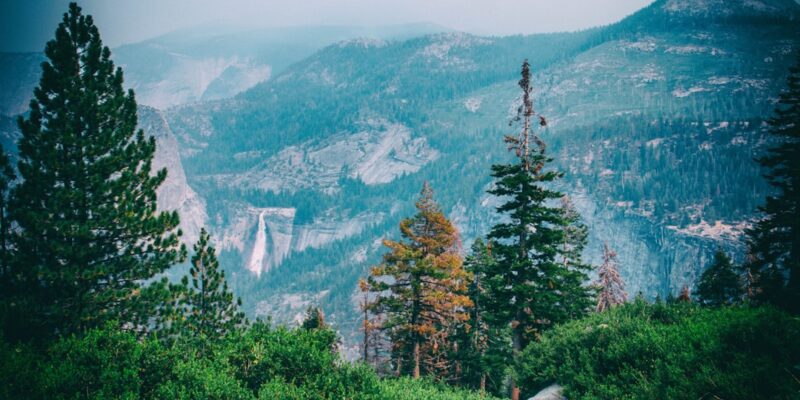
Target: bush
x,y
680,351
261,362
410,389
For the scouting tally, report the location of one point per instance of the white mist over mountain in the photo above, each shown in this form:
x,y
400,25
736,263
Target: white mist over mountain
x,y
26,25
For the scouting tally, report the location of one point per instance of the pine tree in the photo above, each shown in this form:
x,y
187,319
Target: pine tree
x,y
208,306
611,287
482,348
775,240
421,289
719,284
87,230
7,176
575,271
530,286
314,319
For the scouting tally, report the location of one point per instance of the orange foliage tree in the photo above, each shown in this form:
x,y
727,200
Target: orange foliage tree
x,y
421,290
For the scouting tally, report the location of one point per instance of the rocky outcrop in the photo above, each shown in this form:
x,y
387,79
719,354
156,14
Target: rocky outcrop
x,y
379,153
175,193
552,392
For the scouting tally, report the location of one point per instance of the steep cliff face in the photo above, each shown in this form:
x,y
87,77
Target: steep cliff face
x,y
175,193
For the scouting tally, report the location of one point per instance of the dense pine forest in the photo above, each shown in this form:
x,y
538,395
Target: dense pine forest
x,y
100,297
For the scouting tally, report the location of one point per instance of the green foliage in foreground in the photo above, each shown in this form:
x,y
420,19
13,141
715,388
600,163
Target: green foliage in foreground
x,y
262,362
681,351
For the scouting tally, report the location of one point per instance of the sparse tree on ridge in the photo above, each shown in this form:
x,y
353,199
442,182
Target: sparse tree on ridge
x,y
611,286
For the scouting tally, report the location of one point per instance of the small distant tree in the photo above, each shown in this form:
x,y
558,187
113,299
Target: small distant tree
x,y
719,284
421,289
611,287
314,319
685,296
207,308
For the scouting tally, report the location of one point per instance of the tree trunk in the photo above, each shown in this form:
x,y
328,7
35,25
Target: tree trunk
x,y
483,383
416,360
517,348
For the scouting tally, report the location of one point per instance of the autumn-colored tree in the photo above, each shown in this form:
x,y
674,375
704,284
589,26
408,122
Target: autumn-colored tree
x,y
685,296
611,287
421,289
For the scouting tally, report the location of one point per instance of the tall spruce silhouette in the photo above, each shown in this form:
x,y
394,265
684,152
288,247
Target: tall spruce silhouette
x,y
530,286
774,241
87,231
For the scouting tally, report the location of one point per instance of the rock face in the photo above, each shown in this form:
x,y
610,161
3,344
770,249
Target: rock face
x,y
552,392
175,193
378,154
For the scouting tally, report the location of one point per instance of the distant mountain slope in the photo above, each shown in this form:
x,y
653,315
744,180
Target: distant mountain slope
x,y
655,120
202,63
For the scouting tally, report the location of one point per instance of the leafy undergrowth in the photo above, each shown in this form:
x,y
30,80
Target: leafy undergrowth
x,y
661,351
262,362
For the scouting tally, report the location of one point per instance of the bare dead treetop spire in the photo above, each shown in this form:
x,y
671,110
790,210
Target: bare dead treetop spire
x,y
522,142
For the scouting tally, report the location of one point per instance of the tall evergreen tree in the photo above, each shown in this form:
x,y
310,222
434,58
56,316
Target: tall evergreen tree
x,y
611,287
530,286
775,240
88,232
575,270
719,284
209,308
482,348
7,176
422,289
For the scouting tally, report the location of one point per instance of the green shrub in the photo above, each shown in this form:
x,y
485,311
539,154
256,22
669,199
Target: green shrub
x,y
102,364
262,362
263,353
202,379
410,389
642,351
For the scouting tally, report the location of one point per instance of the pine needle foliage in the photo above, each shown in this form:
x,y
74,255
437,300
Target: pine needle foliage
x,y
87,231
774,241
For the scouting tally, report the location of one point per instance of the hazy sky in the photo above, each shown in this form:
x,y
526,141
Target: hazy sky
x,y
25,25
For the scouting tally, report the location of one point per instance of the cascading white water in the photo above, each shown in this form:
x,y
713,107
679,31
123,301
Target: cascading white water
x,y
259,247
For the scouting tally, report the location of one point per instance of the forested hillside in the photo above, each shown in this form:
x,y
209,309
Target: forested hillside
x,y
656,119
